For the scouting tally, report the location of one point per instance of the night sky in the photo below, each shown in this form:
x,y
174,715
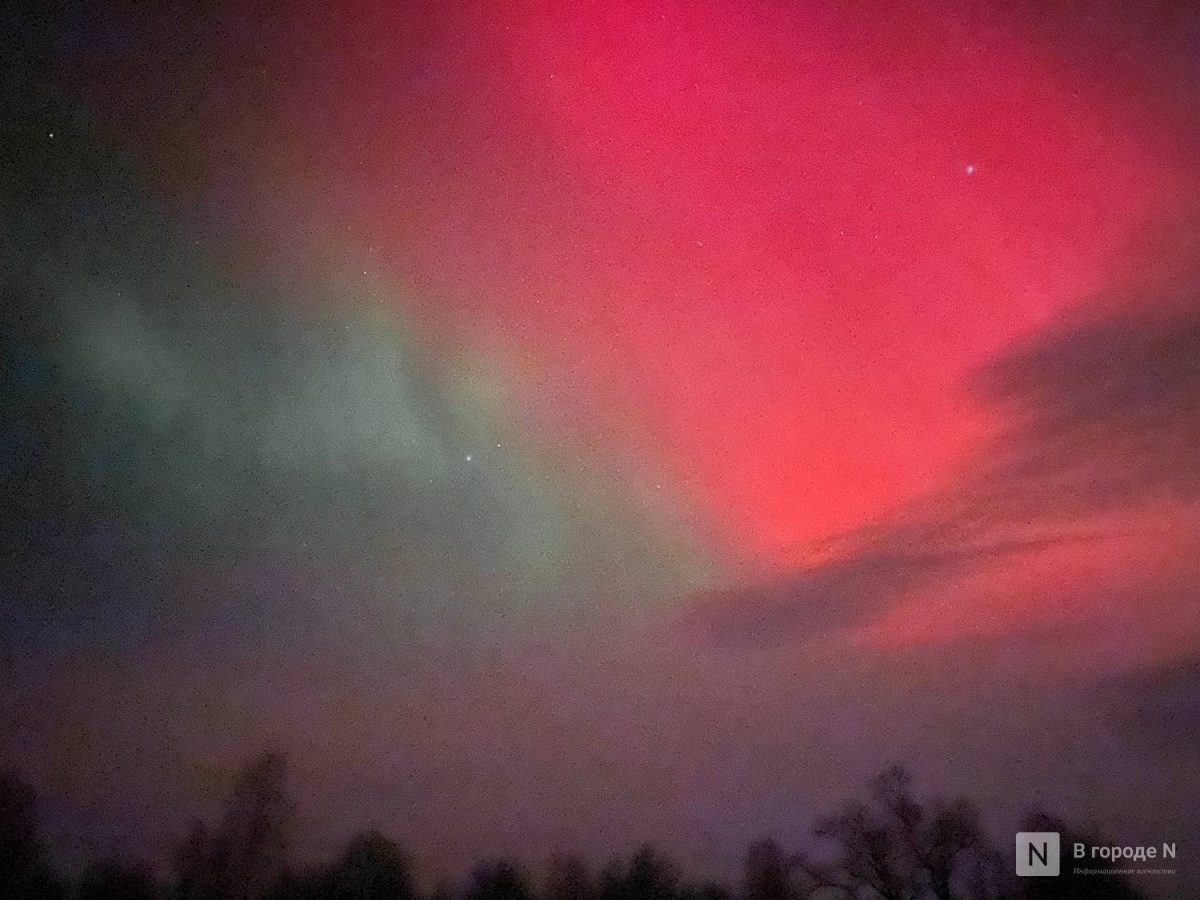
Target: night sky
x,y
561,426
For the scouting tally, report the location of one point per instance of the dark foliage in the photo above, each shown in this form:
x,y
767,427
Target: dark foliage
x,y
889,847
498,880
371,868
115,880
1069,886
648,876
245,855
569,879
24,872
767,874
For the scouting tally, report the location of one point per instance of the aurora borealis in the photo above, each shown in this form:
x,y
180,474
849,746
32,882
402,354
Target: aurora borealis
x,y
568,425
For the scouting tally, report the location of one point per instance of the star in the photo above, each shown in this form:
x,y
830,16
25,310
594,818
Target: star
x,y
970,169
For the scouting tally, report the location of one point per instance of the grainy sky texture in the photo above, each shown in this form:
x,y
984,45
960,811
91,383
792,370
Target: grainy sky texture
x,y
566,425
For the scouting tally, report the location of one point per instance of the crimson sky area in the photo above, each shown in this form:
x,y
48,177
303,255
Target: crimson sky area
x,y
569,425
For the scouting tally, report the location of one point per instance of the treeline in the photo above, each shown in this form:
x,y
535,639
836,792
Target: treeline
x,y
886,847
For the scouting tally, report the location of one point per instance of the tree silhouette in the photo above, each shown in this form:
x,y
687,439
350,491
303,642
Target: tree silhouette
x,y
889,847
114,880
767,873
649,876
1069,886
892,848
498,880
24,872
245,855
569,878
194,875
306,885
371,868
707,890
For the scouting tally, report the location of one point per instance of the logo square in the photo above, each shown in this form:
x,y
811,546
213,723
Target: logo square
x,y
1037,853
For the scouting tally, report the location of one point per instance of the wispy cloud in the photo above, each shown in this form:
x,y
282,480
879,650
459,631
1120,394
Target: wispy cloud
x,y
1099,419
1104,413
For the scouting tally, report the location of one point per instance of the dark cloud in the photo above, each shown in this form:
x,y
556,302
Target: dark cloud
x,y
1106,412
838,593
1100,418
